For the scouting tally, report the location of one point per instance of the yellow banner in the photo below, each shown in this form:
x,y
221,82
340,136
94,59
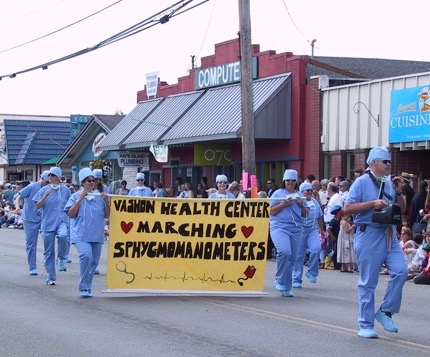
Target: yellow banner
x,y
187,244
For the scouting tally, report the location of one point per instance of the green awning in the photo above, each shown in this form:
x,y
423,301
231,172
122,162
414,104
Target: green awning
x,y
52,161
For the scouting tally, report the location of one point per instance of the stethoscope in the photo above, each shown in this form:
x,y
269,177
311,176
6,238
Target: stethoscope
x,y
124,270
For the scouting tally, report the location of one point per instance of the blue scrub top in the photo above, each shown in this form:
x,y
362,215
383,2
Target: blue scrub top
x,y
363,189
52,209
289,218
89,224
314,212
142,192
227,195
30,212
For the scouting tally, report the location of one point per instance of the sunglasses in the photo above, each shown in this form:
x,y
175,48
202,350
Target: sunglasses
x,y
386,162
288,180
270,183
50,175
139,180
222,182
89,180
308,190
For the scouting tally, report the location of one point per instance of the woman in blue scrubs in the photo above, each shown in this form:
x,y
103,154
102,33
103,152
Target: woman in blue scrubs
x,y
310,241
51,200
87,212
286,228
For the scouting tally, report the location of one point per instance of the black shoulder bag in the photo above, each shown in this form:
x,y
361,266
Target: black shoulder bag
x,y
392,214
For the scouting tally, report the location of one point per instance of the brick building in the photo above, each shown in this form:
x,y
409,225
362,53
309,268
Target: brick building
x,y
193,120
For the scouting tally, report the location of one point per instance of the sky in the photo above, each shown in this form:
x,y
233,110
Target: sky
x,y
107,80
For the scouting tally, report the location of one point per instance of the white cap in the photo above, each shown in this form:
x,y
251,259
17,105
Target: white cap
x,y
140,176
84,173
45,175
220,178
378,153
98,173
290,174
54,170
305,186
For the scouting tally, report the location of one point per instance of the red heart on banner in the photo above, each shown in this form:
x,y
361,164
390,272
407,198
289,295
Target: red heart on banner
x,y
126,227
247,231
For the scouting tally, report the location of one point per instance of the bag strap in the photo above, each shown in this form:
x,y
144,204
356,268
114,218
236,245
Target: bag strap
x,y
380,187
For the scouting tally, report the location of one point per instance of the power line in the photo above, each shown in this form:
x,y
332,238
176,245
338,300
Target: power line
x,y
36,11
292,21
159,18
207,29
61,29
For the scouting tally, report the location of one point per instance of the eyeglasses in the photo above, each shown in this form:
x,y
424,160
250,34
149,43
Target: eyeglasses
x,y
386,162
89,180
222,182
138,180
288,180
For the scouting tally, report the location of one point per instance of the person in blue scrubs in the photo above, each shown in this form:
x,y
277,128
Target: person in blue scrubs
x,y
51,200
376,243
287,211
221,186
310,241
87,214
100,186
31,218
141,190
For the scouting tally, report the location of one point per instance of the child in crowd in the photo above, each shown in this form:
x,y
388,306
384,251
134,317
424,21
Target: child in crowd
x,y
345,250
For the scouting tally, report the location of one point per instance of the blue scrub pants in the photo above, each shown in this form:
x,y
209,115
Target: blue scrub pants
x,y
310,242
31,230
62,234
89,257
287,245
372,252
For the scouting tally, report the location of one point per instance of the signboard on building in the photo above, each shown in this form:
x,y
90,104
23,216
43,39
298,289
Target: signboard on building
x,y
135,159
410,115
97,140
151,84
221,75
212,155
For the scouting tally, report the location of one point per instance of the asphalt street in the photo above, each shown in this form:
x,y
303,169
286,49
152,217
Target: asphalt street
x,y
320,320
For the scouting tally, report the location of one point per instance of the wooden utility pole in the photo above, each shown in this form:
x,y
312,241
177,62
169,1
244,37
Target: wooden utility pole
x,y
248,137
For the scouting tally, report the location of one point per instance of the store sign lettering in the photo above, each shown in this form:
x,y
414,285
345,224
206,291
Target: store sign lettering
x,y
135,159
221,75
98,139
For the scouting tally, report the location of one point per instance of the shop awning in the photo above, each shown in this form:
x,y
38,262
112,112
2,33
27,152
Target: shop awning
x,y
217,115
52,161
209,115
161,120
125,127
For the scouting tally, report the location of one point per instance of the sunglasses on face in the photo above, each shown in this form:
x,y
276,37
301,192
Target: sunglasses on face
x,y
222,183
89,180
386,162
139,180
288,180
308,190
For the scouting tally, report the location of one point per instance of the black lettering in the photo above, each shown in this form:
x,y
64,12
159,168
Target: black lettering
x,y
185,209
120,250
261,255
